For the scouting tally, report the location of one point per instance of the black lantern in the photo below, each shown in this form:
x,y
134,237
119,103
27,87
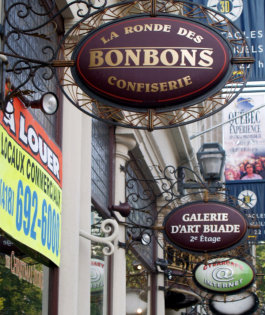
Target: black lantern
x,y
211,158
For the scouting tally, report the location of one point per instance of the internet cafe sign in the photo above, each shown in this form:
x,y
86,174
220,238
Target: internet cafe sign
x,y
202,227
224,275
160,63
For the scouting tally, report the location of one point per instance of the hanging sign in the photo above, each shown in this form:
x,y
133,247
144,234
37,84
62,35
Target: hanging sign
x,y
202,227
237,304
224,275
161,62
97,275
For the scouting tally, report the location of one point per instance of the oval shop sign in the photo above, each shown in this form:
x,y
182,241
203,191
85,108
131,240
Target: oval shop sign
x,y
160,63
202,227
224,275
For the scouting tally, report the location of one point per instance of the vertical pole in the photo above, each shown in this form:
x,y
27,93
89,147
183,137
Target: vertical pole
x,y
124,142
2,57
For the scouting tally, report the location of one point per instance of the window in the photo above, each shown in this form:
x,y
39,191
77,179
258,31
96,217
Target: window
x,y
101,181
22,282
33,47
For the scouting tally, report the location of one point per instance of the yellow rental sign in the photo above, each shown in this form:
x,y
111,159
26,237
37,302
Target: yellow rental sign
x,y
30,183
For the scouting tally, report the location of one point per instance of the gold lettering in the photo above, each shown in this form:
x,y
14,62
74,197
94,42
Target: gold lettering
x,y
158,27
121,84
113,35
185,54
128,30
140,86
172,85
150,57
138,28
187,80
174,57
154,87
111,79
96,59
114,57
180,83
177,57
131,86
163,86
205,55
148,27
147,87
129,54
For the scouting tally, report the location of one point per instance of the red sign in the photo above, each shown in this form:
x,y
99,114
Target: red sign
x,y
205,227
152,62
29,135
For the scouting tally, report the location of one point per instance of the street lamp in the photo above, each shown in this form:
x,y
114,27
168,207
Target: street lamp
x,y
211,159
48,103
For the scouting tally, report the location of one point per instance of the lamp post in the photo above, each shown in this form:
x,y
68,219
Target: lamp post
x,y
211,158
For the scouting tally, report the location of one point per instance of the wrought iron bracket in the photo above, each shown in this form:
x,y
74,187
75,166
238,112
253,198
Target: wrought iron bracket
x,y
107,226
17,27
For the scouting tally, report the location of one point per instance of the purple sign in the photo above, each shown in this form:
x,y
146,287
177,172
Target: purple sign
x,y
202,227
161,62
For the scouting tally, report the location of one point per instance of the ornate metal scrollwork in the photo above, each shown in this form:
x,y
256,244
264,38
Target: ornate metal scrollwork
x,y
90,15
156,196
107,226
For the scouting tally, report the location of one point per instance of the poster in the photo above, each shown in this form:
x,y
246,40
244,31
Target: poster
x,y
244,138
248,16
250,195
30,182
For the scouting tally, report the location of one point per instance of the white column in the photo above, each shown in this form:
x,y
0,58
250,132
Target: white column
x,y
85,218
74,271
124,142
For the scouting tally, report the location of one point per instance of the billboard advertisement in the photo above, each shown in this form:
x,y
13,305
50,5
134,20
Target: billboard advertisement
x,y
30,182
244,138
250,195
248,16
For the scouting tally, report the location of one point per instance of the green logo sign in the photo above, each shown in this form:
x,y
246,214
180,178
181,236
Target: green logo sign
x,y
224,275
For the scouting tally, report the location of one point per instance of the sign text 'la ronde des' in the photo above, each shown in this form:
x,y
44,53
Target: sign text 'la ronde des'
x,y
145,62
205,227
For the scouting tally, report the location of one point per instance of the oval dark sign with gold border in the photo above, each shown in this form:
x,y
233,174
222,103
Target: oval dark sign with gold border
x,y
202,227
160,63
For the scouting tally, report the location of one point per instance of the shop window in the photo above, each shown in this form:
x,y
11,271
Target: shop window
x,y
101,134
101,182
23,282
140,255
98,273
19,292
136,286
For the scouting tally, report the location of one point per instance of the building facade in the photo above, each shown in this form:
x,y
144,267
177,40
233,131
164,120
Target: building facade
x,y
105,170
